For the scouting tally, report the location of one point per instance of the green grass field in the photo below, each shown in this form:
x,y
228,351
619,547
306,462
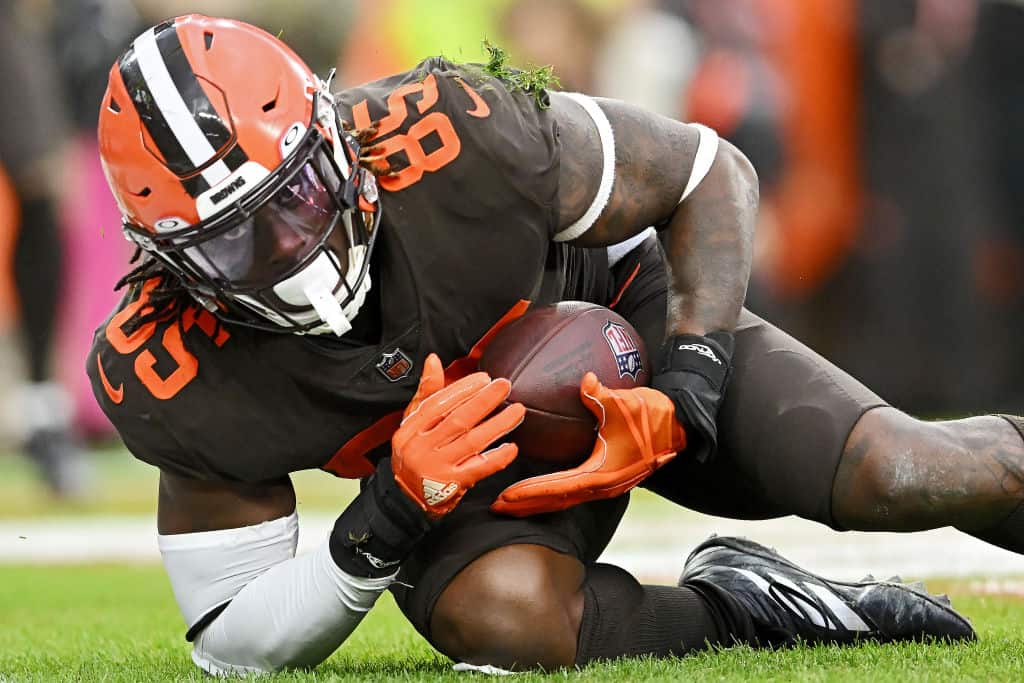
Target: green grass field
x,y
116,623
120,623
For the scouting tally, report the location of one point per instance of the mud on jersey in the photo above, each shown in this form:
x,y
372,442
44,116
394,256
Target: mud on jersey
x,y
466,236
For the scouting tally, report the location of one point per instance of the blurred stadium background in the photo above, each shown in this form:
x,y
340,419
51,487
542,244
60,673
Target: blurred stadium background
x,y
887,135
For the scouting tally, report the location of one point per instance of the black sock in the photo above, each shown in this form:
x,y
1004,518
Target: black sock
x,y
1008,534
37,272
622,618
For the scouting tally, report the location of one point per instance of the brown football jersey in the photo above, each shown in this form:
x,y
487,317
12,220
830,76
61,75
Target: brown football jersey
x,y
469,212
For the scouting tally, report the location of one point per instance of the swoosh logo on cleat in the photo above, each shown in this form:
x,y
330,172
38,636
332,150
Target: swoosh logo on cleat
x,y
115,395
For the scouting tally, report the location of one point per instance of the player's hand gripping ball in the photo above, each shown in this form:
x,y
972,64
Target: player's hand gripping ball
x,y
545,354
440,450
637,434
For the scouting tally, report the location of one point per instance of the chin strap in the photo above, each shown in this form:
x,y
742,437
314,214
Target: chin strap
x,y
337,320
315,286
328,309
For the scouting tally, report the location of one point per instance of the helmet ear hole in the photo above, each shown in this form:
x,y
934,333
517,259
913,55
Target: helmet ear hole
x,y
208,39
114,106
270,105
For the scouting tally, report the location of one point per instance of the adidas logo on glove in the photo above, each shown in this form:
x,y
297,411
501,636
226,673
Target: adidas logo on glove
x,y
435,493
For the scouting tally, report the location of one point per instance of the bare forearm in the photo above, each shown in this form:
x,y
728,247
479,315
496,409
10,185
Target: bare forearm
x,y
709,247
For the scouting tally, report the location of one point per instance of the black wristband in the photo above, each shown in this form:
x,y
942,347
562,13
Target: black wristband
x,y
378,529
709,356
693,371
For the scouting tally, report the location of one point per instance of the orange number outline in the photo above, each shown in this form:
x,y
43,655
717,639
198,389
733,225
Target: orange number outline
x,y
186,371
410,142
187,365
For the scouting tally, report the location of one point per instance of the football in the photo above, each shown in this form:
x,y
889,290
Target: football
x,y
545,354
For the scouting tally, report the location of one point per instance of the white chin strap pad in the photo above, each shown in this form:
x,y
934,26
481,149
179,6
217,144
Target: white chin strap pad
x,y
328,308
320,274
315,286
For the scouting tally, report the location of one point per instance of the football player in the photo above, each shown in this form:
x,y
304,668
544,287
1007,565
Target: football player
x,y
320,273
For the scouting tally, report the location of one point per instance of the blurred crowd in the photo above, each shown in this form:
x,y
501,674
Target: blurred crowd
x,y
886,134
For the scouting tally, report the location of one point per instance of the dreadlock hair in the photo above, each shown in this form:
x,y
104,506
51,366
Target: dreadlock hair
x,y
371,156
166,300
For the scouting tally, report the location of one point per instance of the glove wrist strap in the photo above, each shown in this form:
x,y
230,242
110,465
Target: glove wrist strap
x,y
378,529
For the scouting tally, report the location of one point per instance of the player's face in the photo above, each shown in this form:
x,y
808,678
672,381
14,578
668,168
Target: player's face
x,y
266,246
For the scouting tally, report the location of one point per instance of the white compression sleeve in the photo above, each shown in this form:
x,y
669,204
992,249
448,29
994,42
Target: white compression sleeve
x,y
208,568
293,615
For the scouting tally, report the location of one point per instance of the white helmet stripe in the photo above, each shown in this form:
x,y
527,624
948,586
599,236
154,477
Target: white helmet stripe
x,y
177,114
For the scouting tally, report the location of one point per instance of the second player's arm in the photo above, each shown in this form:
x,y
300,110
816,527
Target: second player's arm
x,y
709,235
708,246
703,193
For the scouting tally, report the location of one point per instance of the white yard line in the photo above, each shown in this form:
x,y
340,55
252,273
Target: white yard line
x,y
653,550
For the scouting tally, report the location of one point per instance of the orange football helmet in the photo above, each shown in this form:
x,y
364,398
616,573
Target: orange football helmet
x,y
230,165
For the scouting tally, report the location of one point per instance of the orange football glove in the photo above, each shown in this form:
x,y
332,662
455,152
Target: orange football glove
x,y
438,451
637,434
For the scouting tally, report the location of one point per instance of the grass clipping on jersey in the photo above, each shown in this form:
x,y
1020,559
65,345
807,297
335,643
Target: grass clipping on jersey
x,y
533,81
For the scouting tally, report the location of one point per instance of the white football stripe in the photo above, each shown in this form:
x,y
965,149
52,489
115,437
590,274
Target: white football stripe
x,y
174,109
707,150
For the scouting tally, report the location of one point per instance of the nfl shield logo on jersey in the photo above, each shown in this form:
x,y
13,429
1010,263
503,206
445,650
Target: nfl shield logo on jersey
x,y
395,365
627,355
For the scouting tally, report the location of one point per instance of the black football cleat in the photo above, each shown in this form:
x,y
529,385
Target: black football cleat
x,y
788,604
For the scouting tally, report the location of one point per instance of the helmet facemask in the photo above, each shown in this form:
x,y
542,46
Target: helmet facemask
x,y
292,252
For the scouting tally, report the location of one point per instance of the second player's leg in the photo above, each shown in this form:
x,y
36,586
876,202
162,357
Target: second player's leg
x,y
786,415
898,473
800,436
782,428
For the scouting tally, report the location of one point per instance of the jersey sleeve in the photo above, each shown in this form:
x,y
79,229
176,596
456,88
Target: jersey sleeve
x,y
111,367
225,403
140,374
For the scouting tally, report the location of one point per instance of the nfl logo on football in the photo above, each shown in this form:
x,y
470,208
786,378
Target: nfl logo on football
x,y
627,355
